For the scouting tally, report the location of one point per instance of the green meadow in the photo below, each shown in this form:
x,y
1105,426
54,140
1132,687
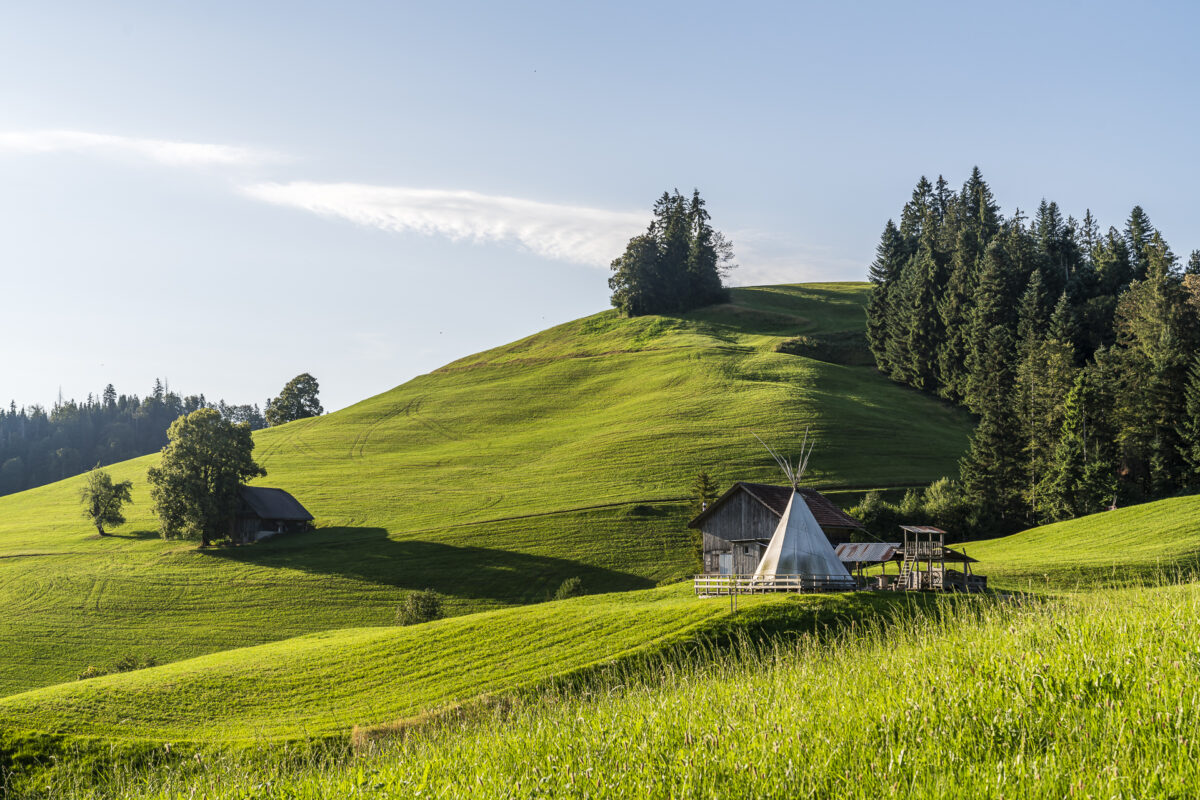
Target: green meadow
x,y
492,480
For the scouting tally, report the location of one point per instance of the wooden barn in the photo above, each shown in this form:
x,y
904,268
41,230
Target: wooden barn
x,y
264,512
738,526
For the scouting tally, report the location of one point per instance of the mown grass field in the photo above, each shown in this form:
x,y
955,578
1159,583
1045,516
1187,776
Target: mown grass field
x,y
1095,694
323,685
1153,542
491,481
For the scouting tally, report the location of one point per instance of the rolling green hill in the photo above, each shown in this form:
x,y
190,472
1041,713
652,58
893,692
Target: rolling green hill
x,y
1151,542
325,684
491,480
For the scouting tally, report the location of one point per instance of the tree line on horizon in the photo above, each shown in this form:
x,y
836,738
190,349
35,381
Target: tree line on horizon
x,y
677,265
39,446
1078,348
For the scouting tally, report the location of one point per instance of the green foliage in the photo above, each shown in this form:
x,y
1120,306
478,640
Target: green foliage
x,y
418,607
571,587
1066,295
297,400
195,484
102,499
676,265
40,446
1190,426
704,490
1081,478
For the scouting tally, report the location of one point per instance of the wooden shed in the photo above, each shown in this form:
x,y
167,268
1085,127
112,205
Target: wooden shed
x,y
264,512
738,525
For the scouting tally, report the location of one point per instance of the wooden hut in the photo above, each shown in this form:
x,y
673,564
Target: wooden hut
x,y
737,526
264,512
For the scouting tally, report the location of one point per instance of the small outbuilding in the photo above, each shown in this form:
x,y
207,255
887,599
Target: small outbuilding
x,y
737,527
264,512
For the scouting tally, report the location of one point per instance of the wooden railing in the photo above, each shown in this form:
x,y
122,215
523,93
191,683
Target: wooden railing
x,y
713,585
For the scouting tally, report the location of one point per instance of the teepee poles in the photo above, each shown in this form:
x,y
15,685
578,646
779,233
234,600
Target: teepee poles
x,y
794,473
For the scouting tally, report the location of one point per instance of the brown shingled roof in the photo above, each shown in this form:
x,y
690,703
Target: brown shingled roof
x,y
776,499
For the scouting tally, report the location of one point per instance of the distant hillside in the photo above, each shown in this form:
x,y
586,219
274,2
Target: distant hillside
x,y
1153,542
491,480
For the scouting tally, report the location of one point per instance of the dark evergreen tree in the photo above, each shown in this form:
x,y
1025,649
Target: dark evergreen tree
x,y
676,265
1082,477
1193,264
1190,425
991,472
1138,232
884,273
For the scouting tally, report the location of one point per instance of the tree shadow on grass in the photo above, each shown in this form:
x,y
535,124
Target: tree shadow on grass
x,y
469,573
141,535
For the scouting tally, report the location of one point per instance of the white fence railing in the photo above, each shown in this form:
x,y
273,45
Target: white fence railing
x,y
711,585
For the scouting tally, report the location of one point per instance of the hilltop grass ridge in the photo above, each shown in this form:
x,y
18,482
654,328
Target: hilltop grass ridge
x,y
1090,694
491,481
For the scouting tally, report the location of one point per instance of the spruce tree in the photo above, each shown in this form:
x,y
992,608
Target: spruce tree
x,y
1190,426
703,268
884,274
1138,232
1193,264
923,325
991,471
1082,477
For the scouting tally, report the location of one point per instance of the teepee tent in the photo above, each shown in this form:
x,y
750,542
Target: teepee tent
x,y
799,546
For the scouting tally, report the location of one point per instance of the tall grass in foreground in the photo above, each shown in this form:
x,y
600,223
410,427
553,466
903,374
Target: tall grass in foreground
x,y
1096,695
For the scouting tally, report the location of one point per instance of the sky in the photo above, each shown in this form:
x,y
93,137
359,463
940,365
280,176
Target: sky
x,y
227,194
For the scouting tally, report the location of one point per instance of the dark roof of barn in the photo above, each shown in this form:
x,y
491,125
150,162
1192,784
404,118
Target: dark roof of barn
x,y
270,503
776,498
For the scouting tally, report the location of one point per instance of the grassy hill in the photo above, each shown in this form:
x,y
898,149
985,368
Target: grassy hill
x,y
1151,542
325,684
1092,695
491,480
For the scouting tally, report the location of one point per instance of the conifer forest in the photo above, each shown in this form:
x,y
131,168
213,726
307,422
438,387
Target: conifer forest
x,y
1077,346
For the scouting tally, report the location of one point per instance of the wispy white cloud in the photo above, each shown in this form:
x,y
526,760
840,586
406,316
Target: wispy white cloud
x,y
162,151
578,234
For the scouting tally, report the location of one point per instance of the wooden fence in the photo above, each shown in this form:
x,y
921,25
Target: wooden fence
x,y
714,585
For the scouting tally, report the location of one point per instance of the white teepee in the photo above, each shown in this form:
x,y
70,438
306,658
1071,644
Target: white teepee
x,y
799,546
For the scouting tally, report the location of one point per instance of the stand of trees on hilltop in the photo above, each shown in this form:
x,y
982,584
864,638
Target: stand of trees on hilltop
x,y
1076,346
39,447
676,265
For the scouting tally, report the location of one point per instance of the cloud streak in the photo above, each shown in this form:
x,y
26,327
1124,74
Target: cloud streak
x,y
160,151
577,234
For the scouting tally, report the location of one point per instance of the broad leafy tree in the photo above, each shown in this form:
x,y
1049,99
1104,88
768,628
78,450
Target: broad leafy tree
x,y
298,400
102,500
195,486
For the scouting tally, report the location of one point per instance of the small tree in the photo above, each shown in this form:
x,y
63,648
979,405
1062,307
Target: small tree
x,y
419,607
102,499
704,490
298,400
571,587
195,485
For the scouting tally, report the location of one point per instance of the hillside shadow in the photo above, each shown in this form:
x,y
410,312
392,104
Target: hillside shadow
x,y
470,573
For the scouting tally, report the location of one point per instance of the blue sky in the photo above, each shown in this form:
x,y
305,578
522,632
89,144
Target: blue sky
x,y
228,194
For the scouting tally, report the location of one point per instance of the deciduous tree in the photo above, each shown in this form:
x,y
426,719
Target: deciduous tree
x,y
195,485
